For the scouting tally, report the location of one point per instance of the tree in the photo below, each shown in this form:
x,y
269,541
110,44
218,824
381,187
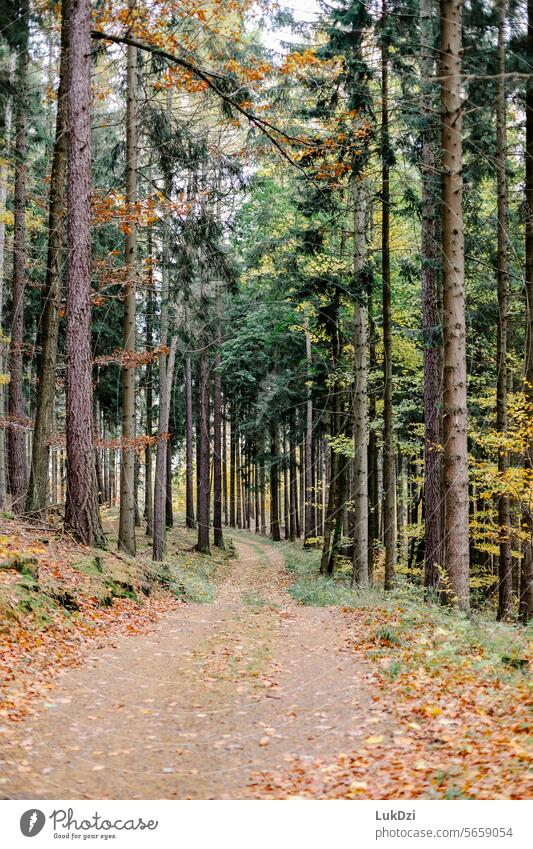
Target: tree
x,y
81,509
126,533
455,448
17,463
37,497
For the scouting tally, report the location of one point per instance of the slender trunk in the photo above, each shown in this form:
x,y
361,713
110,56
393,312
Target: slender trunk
x,y
217,429
262,486
455,452
431,310
505,574
126,530
189,473
360,396
238,479
203,448
169,507
388,436
17,464
293,485
232,469
81,510
149,391
166,377
8,117
97,456
373,498
526,584
274,484
37,497
285,489
225,466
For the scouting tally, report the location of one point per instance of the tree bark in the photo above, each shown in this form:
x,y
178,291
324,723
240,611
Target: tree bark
x,y
526,585
126,531
38,496
455,453
82,518
17,463
149,391
274,484
431,311
360,395
189,472
217,429
389,522
8,118
505,572
169,504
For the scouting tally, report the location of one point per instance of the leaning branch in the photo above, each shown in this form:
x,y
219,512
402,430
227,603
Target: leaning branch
x,y
209,78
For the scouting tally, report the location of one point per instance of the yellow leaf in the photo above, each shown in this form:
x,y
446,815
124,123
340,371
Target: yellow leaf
x,y
374,741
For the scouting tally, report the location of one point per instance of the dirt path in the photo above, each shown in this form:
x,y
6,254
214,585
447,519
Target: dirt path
x,y
191,710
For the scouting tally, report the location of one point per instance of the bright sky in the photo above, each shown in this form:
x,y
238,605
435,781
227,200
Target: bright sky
x,y
304,10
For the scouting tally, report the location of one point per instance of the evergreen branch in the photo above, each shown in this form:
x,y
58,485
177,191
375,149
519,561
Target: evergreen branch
x,y
210,77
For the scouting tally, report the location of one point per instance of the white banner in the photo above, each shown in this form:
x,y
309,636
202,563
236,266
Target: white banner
x,y
267,824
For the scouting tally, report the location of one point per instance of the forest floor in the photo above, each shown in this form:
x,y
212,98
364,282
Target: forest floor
x,y
281,687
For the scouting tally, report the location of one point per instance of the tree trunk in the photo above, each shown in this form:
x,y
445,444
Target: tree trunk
x,y
389,522
455,454
373,497
431,310
149,391
203,447
360,393
169,506
217,429
274,485
37,497
8,118
225,467
189,473
82,518
126,530
232,469
526,584
293,481
505,572
17,463
166,377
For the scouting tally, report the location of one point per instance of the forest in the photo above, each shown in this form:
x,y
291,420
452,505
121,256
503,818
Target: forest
x,y
266,316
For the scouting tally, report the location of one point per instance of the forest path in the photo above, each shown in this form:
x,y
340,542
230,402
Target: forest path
x,y
192,709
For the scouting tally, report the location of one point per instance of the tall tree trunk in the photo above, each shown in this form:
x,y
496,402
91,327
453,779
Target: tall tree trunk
x,y
37,497
81,510
360,395
285,488
389,522
225,467
505,573
238,479
274,484
526,584
373,497
17,463
293,484
217,429
8,118
166,378
149,391
126,530
431,309
169,504
232,468
189,473
203,447
455,453
262,485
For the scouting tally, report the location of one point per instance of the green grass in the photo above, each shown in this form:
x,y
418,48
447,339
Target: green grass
x,y
443,635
